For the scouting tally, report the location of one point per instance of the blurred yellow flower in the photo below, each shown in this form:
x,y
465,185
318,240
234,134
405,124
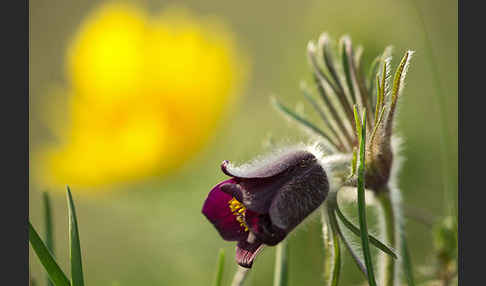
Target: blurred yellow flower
x,y
146,93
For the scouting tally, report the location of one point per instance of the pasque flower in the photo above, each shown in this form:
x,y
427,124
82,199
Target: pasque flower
x,y
263,202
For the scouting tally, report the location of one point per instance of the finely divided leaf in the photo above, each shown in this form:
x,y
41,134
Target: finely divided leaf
x,y
357,232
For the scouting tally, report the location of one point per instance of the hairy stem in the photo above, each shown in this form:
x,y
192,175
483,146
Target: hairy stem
x,y
332,260
240,276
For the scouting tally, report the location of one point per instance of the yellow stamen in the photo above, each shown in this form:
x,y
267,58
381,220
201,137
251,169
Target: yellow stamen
x,y
239,210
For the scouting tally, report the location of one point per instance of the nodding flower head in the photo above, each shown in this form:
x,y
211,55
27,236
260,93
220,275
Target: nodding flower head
x,y
261,204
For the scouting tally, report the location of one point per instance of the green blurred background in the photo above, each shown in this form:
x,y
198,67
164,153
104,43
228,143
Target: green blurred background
x,y
153,233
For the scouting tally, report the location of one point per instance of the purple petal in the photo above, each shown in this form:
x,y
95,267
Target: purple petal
x,y
217,211
299,198
257,186
268,168
233,189
246,252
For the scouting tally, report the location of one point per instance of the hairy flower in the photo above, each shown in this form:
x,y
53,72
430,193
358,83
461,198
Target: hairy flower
x,y
262,203
146,93
342,86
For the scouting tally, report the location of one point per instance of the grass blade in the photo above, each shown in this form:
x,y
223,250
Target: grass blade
x,y
357,232
49,228
74,244
218,278
362,205
281,265
50,265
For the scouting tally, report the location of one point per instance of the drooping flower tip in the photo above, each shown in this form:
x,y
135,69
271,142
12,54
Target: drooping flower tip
x,y
265,200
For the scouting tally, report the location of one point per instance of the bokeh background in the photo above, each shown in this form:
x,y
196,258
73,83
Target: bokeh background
x,y
150,231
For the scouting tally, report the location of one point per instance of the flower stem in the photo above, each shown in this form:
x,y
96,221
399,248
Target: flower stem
x,y
281,272
390,230
240,276
332,260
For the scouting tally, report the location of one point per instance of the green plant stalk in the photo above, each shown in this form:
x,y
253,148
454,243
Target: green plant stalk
x,y
240,276
281,265
390,227
346,243
49,229
336,264
219,269
332,256
336,271
365,243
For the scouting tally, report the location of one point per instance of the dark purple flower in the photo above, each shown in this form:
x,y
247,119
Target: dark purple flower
x,y
261,204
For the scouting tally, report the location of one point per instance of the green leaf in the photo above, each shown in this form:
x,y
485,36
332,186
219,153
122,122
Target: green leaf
x,y
50,265
377,123
281,266
398,83
307,94
345,45
357,121
357,232
357,58
311,53
362,206
353,162
301,120
356,259
372,74
337,117
49,227
328,58
74,244
218,278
